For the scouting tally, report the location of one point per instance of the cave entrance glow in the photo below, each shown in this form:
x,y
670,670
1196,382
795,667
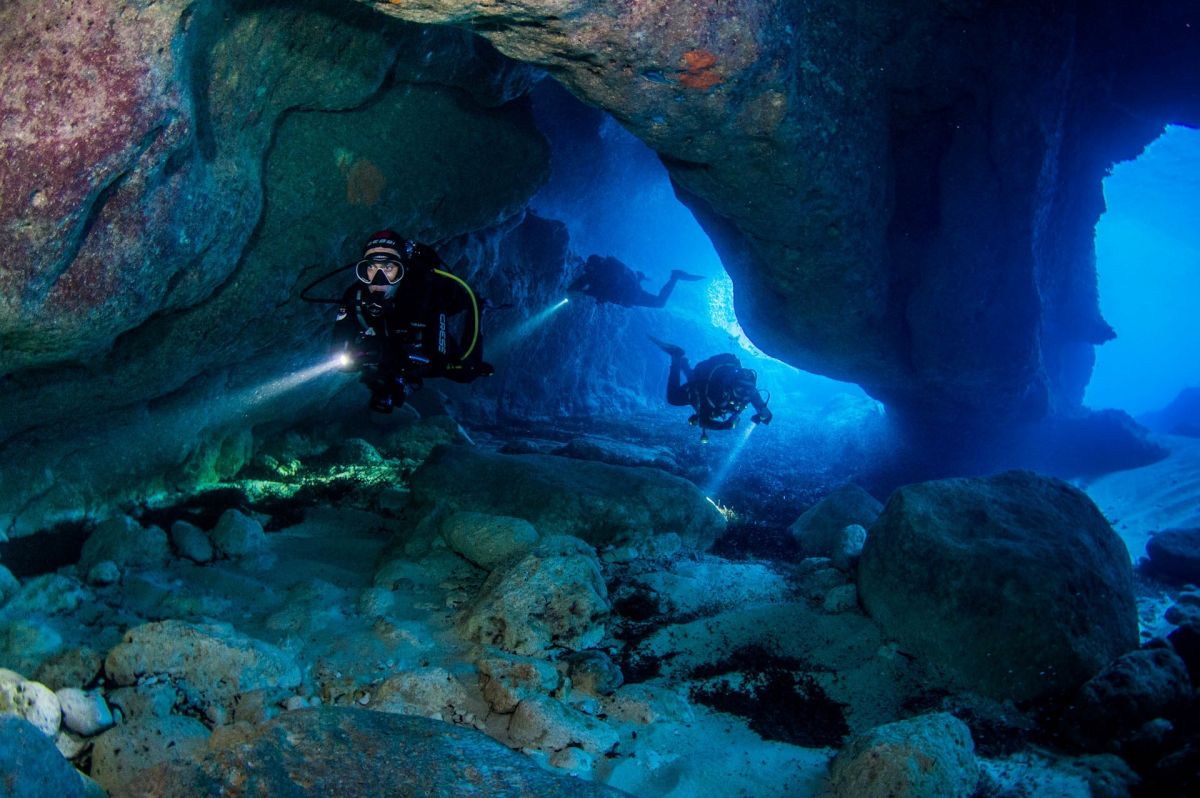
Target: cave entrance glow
x,y
616,199
1148,269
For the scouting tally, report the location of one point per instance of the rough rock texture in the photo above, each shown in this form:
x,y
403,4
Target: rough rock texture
x,y
1137,687
123,752
488,540
819,528
549,725
359,754
553,597
30,765
1014,583
1176,553
215,662
919,182
187,176
932,756
124,541
597,502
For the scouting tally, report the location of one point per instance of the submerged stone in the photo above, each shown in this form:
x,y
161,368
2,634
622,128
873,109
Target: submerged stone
x,y
1175,553
597,502
31,766
216,662
554,597
360,754
1014,583
931,755
818,530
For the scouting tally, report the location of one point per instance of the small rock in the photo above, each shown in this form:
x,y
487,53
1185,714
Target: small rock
x,y
123,751
32,701
488,540
619,554
1175,553
48,594
104,573
191,542
573,759
75,667
549,725
843,598
69,745
592,671
644,703
125,542
847,547
375,602
84,713
238,535
930,755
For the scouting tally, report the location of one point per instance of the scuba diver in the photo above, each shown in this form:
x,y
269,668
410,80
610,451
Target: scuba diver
x,y
393,323
718,389
607,279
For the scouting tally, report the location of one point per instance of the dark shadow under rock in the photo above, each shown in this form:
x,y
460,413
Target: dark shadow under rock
x,y
354,753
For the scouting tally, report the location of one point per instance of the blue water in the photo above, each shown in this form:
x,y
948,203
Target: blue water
x,y
616,198
1148,266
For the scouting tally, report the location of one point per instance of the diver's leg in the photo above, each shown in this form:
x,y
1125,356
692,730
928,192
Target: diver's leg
x,y
676,394
663,293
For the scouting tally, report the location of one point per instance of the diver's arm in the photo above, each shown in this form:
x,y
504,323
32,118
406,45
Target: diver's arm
x,y
763,414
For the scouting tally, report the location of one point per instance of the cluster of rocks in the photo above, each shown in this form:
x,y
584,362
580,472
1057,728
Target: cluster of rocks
x,y
567,610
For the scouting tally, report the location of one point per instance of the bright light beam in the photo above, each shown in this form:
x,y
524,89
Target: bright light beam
x,y
524,329
271,389
726,468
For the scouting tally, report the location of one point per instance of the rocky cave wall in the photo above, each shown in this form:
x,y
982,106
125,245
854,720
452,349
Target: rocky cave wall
x,y
918,181
173,174
903,193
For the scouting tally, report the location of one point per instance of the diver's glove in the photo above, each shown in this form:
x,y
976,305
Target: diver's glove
x,y
762,418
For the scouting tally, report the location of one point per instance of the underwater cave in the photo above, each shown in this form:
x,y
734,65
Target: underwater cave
x,y
667,399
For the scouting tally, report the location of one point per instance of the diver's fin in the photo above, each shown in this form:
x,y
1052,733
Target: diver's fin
x,y
679,274
670,349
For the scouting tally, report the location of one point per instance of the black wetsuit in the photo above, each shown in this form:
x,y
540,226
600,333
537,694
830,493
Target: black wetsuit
x,y
409,335
717,388
607,279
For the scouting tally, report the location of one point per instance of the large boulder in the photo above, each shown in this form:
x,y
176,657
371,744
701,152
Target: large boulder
x,y
215,662
30,765
554,597
1016,583
359,754
597,502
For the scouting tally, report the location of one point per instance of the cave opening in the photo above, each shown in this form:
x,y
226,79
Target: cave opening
x,y
615,198
1148,274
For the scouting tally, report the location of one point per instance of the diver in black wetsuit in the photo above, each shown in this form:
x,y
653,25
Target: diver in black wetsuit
x,y
607,279
394,323
718,389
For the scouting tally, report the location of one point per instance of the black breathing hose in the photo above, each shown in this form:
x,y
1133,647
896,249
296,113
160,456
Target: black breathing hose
x,y
318,281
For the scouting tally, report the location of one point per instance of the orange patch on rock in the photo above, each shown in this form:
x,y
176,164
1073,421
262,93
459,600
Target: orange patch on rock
x,y
698,70
364,183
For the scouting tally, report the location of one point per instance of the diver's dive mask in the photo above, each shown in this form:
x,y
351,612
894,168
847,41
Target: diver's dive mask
x,y
379,270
